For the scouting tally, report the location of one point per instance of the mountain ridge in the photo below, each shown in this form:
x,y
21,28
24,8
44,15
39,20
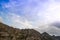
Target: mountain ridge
x,y
10,33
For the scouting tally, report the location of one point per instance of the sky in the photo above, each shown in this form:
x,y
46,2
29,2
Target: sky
x,y
42,15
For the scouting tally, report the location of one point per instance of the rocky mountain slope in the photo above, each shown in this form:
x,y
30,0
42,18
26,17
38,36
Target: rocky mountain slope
x,y
10,33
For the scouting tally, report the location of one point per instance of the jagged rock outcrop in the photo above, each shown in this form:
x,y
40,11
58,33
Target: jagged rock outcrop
x,y
46,36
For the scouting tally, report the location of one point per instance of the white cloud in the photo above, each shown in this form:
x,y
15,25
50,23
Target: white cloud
x,y
19,21
34,8
51,14
38,15
52,30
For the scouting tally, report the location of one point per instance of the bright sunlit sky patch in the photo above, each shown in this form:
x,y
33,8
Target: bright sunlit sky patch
x,y
31,14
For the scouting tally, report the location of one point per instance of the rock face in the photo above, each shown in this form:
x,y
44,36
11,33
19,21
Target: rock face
x,y
10,33
46,36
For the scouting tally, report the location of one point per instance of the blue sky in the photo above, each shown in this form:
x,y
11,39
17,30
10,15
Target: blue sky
x,y
37,14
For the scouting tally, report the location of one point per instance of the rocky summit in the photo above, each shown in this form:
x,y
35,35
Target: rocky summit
x,y
10,33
